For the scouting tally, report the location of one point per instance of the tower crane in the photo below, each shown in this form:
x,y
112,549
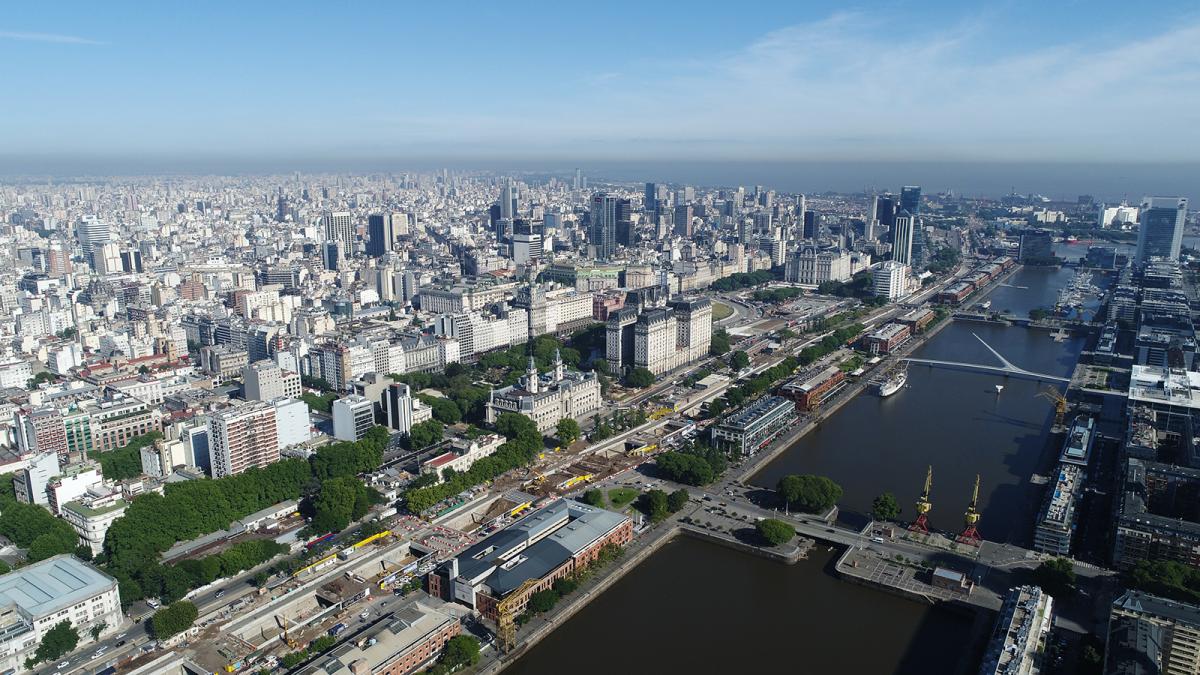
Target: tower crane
x,y
921,524
1058,399
506,611
970,535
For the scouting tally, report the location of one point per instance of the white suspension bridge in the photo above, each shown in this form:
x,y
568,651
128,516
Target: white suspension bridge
x,y
1007,367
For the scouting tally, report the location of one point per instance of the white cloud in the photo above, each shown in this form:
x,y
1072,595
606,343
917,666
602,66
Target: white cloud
x,y
47,37
853,86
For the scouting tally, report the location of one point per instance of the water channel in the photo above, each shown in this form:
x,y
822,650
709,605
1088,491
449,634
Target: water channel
x,y
699,608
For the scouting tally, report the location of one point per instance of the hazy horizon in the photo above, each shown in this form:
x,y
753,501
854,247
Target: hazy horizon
x,y
1056,180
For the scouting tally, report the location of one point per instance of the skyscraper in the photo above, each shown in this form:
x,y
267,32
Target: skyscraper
x,y
602,224
910,200
812,225
902,238
508,200
650,200
683,220
339,228
1160,233
527,241
885,210
380,234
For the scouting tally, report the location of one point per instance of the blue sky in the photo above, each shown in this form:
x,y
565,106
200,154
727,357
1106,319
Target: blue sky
x,y
1089,81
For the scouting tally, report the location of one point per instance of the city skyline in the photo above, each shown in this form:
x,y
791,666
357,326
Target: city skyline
x,y
888,81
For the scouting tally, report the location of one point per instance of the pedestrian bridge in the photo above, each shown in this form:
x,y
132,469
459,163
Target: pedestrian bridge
x,y
1006,368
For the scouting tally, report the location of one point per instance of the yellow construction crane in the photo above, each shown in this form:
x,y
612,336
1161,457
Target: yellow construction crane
x,y
1056,397
924,506
970,535
287,639
506,618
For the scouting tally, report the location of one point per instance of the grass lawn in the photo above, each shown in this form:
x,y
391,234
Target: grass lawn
x,y
720,310
619,498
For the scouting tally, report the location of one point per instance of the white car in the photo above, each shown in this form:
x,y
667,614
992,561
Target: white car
x,y
64,664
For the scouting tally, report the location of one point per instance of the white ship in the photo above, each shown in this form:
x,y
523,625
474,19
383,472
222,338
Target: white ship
x,y
893,381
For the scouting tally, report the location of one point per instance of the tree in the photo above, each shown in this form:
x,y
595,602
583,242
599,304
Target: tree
x,y
425,434
640,378
334,506
543,601
173,619
739,360
444,410
1056,576
97,630
567,430
515,425
59,640
677,500
774,531
600,366
594,497
719,344
655,504
1167,578
461,650
809,493
885,507
681,467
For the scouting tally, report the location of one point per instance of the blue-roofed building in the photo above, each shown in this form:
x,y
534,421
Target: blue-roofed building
x,y
543,547
746,431
37,597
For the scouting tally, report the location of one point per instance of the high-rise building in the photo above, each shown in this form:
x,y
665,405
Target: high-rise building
x,y
41,430
602,224
331,255
508,200
885,210
92,233
1160,233
650,199
683,220
812,225
380,234
527,241
353,417
910,200
902,239
890,280
339,227
242,437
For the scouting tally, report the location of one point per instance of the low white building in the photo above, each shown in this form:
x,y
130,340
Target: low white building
x,y
890,280
463,453
35,598
92,514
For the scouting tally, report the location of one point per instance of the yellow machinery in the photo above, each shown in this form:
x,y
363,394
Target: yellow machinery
x,y
661,413
288,639
1060,403
506,620
924,506
537,479
643,449
576,480
970,535
519,508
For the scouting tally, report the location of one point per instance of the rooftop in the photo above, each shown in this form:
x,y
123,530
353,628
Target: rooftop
x,y
1153,384
535,545
52,585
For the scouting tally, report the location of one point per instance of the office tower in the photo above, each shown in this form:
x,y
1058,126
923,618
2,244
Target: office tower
x,y
41,430
380,235
331,255
242,437
813,224
353,417
885,210
602,224
910,199
106,259
683,220
650,199
131,261
889,280
625,231
1160,233
578,180
902,238
92,233
399,224
527,241
508,200
338,227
